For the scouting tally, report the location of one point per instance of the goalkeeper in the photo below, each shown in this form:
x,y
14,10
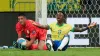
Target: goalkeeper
x,y
32,33
59,32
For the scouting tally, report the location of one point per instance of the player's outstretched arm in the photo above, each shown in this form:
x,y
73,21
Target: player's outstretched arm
x,y
41,26
77,29
19,31
29,43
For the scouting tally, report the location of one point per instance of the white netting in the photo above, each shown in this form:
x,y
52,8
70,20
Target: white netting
x,y
79,9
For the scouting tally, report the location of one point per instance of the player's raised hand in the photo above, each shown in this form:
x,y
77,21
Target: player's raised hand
x,y
92,24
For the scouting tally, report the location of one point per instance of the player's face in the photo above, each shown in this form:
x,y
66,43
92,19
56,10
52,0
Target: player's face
x,y
21,19
60,16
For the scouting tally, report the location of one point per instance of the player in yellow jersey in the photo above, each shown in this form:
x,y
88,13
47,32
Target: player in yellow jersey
x,y
59,33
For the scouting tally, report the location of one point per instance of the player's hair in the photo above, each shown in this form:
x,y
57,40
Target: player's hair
x,y
21,14
64,15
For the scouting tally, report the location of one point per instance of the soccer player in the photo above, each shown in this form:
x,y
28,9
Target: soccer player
x,y
59,32
32,33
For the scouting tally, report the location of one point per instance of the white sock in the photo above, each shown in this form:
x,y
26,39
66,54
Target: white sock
x,y
63,43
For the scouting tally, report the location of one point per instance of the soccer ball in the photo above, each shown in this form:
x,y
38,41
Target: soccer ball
x,y
21,41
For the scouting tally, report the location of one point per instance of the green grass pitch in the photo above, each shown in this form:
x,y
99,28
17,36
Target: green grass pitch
x,y
68,52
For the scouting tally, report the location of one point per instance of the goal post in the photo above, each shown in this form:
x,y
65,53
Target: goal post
x,y
41,11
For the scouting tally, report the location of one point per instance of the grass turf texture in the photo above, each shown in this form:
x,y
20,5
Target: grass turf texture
x,y
69,52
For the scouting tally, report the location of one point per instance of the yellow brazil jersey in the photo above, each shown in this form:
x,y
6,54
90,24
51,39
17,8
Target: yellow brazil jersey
x,y
58,32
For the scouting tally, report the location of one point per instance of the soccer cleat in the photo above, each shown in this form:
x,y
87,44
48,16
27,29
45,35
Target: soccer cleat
x,y
48,46
49,43
59,50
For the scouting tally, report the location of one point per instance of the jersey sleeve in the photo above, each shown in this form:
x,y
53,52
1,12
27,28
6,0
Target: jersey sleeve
x,y
18,29
71,28
50,25
32,30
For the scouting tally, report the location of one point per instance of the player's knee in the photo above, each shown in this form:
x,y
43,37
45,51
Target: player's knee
x,y
40,47
43,47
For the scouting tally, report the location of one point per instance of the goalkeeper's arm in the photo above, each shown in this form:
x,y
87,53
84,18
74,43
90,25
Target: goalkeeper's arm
x,y
77,29
29,43
41,26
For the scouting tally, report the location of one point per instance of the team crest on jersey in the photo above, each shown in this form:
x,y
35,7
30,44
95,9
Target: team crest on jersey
x,y
33,32
59,31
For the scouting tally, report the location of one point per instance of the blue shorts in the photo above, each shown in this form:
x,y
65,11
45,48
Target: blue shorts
x,y
57,43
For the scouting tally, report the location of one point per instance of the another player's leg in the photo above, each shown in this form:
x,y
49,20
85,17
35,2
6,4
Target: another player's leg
x,y
42,39
49,43
33,47
60,45
38,46
42,45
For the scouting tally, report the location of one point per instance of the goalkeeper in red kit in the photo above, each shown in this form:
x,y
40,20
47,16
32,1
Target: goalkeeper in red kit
x,y
32,33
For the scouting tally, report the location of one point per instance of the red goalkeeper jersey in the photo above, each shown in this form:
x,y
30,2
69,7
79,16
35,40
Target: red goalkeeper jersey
x,y
30,30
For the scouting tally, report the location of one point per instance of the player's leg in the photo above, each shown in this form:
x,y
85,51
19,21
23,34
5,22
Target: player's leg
x,y
66,46
56,44
33,47
39,46
60,45
42,45
49,43
42,38
64,43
